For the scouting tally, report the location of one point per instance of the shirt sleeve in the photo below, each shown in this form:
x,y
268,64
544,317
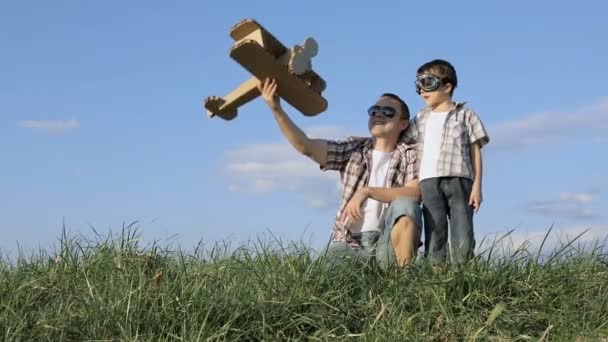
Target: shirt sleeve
x,y
477,131
411,160
339,152
410,136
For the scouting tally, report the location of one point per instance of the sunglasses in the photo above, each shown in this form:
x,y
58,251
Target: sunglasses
x,y
387,111
428,82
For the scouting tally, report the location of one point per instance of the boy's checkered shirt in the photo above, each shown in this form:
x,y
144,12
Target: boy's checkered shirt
x,y
462,128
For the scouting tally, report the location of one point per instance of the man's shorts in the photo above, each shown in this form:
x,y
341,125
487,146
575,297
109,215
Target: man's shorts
x,y
375,246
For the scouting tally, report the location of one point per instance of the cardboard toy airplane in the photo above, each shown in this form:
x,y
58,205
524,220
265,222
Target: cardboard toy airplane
x,y
264,56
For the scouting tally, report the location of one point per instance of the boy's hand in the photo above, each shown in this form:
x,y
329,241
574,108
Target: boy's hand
x,y
268,90
476,197
352,211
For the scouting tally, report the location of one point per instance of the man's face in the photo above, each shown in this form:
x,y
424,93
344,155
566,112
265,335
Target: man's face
x,y
385,118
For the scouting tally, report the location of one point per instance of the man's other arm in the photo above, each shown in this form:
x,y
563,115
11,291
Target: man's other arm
x,y
387,195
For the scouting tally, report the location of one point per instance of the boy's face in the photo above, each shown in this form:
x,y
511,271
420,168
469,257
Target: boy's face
x,y
436,91
386,118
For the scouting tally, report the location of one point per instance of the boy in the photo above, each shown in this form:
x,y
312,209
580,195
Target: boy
x,y
450,137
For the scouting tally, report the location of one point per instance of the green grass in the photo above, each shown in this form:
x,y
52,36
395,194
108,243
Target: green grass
x,y
114,289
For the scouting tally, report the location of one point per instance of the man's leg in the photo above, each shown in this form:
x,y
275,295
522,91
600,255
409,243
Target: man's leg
x,y
338,252
462,239
435,210
399,241
404,240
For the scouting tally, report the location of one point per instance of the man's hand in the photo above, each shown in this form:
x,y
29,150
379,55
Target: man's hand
x,y
353,211
476,197
268,90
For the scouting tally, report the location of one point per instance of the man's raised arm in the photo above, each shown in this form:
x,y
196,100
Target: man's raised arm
x,y
316,149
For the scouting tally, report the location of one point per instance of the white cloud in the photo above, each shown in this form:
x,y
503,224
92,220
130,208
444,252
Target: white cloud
x,y
254,186
330,132
563,209
53,126
319,203
261,152
590,122
583,236
262,185
276,167
569,205
567,196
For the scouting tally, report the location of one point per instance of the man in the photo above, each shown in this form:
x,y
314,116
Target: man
x,y
379,216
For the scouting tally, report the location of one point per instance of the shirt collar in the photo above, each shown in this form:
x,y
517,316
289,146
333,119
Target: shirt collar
x,y
401,147
455,106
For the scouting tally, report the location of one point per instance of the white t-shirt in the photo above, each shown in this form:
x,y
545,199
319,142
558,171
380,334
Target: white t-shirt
x,y
372,209
432,144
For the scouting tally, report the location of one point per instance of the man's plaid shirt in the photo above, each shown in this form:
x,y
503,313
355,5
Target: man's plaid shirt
x,y
353,159
462,128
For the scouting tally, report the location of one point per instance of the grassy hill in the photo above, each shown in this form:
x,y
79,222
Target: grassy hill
x,y
114,289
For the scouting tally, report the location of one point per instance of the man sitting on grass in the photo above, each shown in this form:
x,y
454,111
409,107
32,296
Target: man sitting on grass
x,y
379,216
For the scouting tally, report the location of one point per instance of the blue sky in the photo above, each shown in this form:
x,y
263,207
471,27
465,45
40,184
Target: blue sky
x,y
101,120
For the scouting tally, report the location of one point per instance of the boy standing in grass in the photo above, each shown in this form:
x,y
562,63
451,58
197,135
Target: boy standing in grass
x,y
450,137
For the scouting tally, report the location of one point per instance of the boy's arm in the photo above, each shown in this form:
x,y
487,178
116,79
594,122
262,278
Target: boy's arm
x,y
477,163
316,149
478,137
476,194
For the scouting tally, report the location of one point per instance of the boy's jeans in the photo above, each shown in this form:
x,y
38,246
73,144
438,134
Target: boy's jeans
x,y
445,197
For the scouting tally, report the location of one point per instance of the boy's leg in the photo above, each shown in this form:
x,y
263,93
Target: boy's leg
x,y
401,232
435,211
462,240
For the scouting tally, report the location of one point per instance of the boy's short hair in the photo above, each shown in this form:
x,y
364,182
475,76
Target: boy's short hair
x,y
442,69
404,108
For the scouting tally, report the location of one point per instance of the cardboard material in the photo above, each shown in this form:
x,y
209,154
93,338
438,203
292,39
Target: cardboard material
x,y
260,53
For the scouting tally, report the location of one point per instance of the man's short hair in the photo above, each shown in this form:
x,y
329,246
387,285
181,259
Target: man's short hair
x,y
404,108
442,69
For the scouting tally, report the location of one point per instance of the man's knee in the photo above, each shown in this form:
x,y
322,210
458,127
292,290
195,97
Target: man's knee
x,y
404,208
404,226
404,204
